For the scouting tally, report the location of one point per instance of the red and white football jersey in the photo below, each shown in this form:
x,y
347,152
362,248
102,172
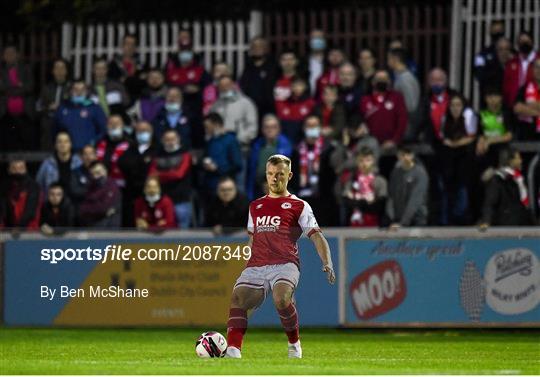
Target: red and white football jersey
x,y
276,224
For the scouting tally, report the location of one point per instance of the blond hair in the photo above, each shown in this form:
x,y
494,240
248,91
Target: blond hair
x,y
279,158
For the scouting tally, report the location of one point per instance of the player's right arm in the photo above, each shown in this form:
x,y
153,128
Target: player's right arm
x,y
311,229
323,249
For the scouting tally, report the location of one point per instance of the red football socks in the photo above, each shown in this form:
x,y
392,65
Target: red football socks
x,y
289,320
236,327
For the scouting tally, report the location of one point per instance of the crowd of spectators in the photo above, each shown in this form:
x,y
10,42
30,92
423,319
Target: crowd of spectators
x,y
179,147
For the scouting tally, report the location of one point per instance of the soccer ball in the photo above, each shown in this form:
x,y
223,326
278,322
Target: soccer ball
x,y
211,344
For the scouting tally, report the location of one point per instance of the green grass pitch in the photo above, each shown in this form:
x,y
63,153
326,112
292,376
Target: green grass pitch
x,y
326,351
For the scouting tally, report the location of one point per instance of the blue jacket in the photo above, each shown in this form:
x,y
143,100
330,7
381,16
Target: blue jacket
x,y
85,124
283,147
185,126
225,151
48,171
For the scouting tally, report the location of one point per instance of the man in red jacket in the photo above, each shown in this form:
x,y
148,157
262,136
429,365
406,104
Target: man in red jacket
x,y
519,70
154,211
20,199
385,115
384,111
172,167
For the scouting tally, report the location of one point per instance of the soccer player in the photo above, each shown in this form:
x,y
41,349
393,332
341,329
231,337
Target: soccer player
x,y
275,223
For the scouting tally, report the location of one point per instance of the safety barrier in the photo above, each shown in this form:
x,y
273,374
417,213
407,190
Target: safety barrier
x,y
425,277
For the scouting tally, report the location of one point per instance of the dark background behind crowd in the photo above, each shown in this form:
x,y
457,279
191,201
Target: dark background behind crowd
x,y
177,146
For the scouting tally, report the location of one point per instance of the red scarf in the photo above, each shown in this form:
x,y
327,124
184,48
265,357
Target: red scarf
x,y
309,160
532,94
520,182
363,188
326,115
129,67
439,104
15,104
114,171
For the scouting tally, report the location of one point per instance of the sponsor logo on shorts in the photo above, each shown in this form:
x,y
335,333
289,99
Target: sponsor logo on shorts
x,y
267,223
378,289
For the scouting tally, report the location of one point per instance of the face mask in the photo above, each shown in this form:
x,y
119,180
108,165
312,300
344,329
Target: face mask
x,y
317,44
115,133
313,133
437,89
381,86
100,181
172,107
143,137
525,48
185,56
171,149
152,198
228,94
79,100
496,36
17,176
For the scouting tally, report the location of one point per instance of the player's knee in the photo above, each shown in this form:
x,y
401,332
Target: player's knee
x,y
237,301
240,300
281,300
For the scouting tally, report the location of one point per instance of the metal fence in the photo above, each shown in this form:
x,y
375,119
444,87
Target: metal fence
x,y
216,40
470,33
38,48
424,31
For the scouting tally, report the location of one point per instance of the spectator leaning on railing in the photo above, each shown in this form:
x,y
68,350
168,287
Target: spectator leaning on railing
x,y
407,191
506,202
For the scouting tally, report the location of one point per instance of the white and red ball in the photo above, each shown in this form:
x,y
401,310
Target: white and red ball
x,y
211,344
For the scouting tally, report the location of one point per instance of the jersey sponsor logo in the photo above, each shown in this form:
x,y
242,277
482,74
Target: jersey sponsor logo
x,y
286,205
267,223
378,289
258,206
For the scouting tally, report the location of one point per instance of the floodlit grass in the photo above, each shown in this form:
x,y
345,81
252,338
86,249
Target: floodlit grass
x,y
326,351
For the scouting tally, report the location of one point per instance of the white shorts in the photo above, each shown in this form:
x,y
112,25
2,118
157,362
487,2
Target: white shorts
x,y
265,277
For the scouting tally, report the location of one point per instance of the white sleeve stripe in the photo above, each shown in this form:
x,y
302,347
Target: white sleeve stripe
x,y
307,219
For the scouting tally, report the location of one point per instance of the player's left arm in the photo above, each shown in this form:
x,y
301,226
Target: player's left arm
x,y
323,249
